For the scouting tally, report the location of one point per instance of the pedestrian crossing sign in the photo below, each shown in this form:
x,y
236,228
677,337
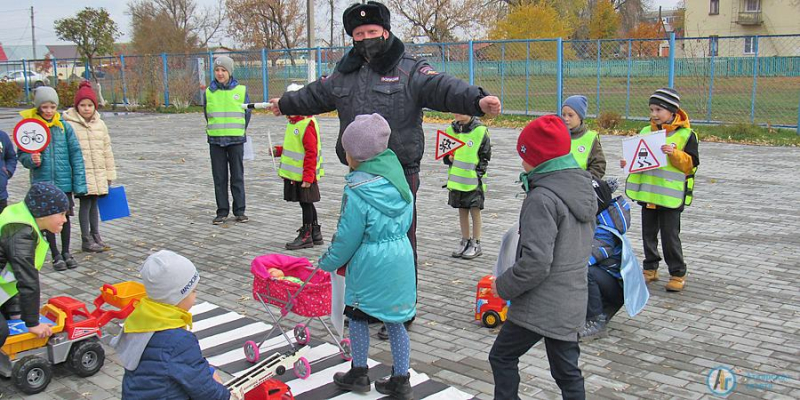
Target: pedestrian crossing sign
x,y
446,144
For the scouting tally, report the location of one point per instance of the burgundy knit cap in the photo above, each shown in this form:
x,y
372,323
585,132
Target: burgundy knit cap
x,y
543,139
85,92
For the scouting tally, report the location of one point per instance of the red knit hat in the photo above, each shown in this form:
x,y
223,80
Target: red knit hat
x,y
85,92
543,139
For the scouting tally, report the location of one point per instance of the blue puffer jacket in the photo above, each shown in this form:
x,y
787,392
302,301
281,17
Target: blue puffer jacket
x,y
371,239
172,367
62,162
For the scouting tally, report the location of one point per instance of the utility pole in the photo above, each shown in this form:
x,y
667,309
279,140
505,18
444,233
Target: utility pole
x,y
33,34
310,64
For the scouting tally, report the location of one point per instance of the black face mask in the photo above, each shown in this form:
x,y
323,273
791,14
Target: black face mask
x,y
370,48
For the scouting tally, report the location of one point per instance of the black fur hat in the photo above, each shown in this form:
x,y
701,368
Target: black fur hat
x,y
363,14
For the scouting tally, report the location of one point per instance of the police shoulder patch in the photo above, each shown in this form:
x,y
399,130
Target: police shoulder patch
x,y
428,70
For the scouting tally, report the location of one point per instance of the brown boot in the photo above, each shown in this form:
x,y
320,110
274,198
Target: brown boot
x,y
676,283
650,275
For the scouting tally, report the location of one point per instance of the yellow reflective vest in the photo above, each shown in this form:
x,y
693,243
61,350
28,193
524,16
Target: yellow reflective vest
x,y
582,147
19,214
667,186
462,174
224,111
294,153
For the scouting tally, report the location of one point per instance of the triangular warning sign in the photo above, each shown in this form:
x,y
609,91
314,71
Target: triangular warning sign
x,y
446,144
643,158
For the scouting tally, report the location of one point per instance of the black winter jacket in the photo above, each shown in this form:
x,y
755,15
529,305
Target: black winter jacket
x,y
18,248
395,85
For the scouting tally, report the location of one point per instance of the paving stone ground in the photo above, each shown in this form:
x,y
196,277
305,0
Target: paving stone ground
x,y
741,307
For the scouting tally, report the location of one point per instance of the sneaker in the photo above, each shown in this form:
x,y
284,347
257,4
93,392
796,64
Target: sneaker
x,y
242,218
650,275
354,380
218,220
396,387
473,250
461,247
303,239
59,264
676,283
88,245
593,329
71,263
316,234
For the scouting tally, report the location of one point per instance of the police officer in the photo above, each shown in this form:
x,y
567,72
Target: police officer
x,y
378,76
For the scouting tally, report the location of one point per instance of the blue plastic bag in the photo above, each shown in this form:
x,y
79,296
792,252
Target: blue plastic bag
x,y
114,205
634,286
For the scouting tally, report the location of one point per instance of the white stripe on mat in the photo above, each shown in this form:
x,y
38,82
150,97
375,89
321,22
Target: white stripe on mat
x,y
450,393
202,307
214,321
373,394
322,377
238,353
236,334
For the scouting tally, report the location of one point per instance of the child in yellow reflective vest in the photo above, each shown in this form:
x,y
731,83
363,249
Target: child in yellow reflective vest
x,y
467,168
301,169
586,146
664,192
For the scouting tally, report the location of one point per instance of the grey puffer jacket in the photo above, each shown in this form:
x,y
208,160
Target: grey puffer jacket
x,y
395,85
547,285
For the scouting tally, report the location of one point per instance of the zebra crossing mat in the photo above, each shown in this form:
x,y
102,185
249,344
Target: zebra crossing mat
x,y
222,334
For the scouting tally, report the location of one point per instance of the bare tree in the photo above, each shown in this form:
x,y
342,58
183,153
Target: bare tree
x,y
192,27
271,24
438,19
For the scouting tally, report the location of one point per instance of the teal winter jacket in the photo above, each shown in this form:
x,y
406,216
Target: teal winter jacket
x,y
62,162
371,240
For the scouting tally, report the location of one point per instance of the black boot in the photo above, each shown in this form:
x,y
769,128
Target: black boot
x,y
355,380
396,387
303,239
316,234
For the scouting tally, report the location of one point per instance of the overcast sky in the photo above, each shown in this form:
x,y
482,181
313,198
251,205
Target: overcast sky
x,y
16,22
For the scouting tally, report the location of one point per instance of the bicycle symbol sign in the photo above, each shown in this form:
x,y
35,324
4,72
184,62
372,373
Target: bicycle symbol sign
x,y
31,135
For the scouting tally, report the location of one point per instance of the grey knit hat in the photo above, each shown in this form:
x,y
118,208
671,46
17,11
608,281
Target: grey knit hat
x,y
224,62
44,94
577,103
168,277
366,137
666,98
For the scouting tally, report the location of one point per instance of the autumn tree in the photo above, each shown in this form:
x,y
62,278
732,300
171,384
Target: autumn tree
x,y
645,30
604,21
93,32
518,25
270,24
173,26
438,20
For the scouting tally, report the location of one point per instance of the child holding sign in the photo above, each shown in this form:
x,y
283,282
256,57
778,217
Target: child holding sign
x,y
664,192
60,163
98,158
301,169
465,180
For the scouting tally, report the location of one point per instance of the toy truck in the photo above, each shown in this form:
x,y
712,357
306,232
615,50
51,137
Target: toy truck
x,y
28,360
252,383
490,309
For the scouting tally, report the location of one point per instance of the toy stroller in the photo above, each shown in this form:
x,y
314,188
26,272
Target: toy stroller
x,y
296,287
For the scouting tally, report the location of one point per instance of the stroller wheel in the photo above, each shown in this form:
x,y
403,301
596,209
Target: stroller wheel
x,y
302,334
347,349
302,368
251,351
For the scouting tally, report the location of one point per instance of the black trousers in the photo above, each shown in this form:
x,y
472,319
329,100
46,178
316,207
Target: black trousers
x,y
3,204
667,222
513,341
413,182
605,293
3,330
224,159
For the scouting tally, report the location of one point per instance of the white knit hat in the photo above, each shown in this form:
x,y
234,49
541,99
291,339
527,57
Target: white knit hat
x,y
169,277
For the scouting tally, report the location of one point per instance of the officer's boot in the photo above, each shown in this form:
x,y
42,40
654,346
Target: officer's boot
x,y
355,380
396,387
316,234
303,239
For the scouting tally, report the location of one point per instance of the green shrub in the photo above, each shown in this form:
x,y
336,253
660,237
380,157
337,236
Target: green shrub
x,y
10,94
609,120
66,93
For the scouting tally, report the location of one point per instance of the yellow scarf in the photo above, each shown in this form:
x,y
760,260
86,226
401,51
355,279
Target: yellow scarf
x,y
33,113
152,316
681,121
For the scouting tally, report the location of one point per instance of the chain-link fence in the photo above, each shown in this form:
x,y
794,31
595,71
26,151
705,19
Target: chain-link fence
x,y
750,79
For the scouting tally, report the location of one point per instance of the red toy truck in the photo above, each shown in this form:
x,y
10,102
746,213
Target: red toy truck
x,y
489,308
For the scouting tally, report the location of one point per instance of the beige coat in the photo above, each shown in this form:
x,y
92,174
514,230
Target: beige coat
x,y
96,147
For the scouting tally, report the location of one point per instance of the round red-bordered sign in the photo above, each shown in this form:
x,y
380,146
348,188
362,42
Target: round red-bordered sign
x,y
31,135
